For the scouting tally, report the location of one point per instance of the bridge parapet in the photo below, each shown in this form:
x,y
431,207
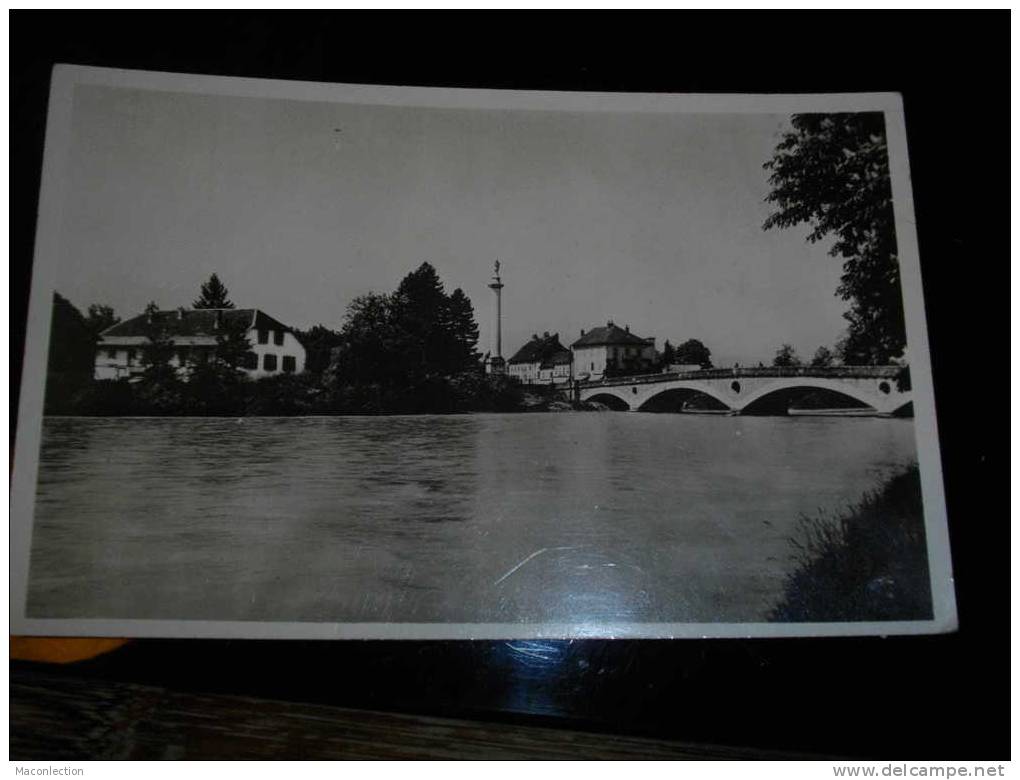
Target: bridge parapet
x,y
772,372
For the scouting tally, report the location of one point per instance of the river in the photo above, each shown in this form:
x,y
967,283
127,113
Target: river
x,y
580,518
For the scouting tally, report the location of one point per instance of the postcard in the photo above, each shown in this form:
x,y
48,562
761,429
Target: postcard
x,y
339,361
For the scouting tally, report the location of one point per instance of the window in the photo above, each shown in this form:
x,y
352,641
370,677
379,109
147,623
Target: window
x,y
250,361
278,338
111,354
131,356
289,364
263,336
269,362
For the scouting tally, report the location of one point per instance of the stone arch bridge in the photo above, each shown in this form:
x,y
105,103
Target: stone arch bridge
x,y
754,390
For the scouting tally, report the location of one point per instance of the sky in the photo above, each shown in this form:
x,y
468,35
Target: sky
x,y
649,220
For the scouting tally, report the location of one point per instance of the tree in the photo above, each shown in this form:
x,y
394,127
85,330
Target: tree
x,y
70,362
463,332
438,332
232,348
215,386
100,317
823,357
668,356
420,311
831,171
319,343
401,351
369,349
157,354
693,352
213,295
785,357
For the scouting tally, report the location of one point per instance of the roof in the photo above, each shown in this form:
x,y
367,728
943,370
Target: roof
x,y
542,349
193,322
558,358
609,334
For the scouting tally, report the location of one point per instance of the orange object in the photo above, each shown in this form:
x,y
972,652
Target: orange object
x,y
60,650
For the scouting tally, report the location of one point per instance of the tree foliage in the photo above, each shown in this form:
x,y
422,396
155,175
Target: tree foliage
x,y
668,355
693,352
823,357
213,295
831,171
71,340
463,329
370,344
158,351
786,357
100,317
409,338
71,357
214,381
232,347
319,343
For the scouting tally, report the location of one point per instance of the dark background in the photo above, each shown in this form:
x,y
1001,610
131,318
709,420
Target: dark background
x,y
908,697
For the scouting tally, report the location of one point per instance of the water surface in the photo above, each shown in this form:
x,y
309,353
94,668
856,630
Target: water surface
x,y
577,518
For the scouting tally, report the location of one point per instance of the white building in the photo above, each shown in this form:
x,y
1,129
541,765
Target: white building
x,y
613,350
542,361
194,333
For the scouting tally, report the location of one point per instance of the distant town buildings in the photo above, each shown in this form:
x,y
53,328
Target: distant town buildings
x,y
612,349
194,332
543,360
601,351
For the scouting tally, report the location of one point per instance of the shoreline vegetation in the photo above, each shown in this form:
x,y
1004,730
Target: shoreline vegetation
x,y
868,563
298,396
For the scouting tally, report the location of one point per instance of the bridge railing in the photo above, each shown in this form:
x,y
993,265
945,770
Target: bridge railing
x,y
772,372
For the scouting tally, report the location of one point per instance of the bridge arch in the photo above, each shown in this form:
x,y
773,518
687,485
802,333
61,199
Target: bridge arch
x,y
775,397
688,391
608,397
906,409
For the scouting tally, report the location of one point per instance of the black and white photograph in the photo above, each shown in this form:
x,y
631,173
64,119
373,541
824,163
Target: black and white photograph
x,y
333,361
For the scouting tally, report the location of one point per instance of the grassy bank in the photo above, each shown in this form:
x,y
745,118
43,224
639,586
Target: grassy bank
x,y
869,563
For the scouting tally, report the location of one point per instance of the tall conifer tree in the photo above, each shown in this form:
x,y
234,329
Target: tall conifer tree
x,y
213,295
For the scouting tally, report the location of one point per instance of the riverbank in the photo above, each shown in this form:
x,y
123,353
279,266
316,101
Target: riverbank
x,y
868,563
299,395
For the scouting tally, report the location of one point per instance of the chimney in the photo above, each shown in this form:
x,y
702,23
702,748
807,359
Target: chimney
x,y
180,312
582,332
610,324
627,328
